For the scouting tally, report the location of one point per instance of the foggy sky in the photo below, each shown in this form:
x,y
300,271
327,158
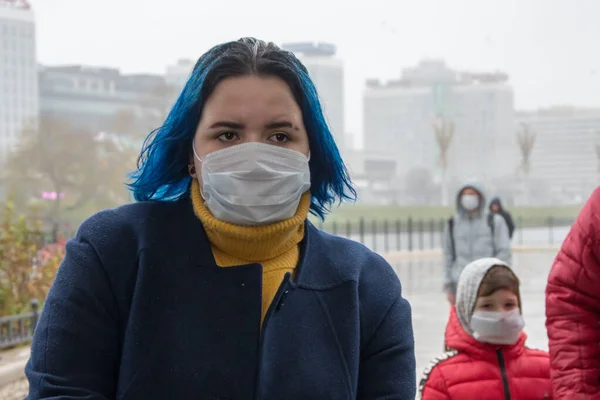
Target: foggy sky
x,y
549,47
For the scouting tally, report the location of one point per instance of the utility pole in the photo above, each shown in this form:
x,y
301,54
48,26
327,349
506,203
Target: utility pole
x,y
444,131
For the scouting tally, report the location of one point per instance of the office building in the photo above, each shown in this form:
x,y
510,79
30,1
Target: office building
x,y
18,76
566,152
399,118
327,73
102,99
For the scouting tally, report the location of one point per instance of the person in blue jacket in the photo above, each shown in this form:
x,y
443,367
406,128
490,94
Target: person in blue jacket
x,y
214,284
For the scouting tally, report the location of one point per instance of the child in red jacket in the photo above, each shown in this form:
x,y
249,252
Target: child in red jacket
x,y
488,359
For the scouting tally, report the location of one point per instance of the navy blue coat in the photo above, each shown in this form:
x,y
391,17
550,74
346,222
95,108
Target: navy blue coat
x,y
140,310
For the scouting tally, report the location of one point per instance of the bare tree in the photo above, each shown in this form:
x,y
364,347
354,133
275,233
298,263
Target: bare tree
x,y
158,102
444,131
73,165
526,141
124,122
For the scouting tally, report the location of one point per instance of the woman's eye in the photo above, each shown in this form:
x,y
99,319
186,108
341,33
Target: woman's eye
x,y
227,136
280,137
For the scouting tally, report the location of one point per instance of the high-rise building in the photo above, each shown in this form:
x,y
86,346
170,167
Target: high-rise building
x,y
18,74
399,119
177,75
327,73
564,155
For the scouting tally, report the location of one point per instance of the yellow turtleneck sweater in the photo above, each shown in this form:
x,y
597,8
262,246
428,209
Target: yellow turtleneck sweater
x,y
275,246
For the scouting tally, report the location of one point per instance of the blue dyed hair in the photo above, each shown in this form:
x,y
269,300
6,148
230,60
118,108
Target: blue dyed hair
x,y
162,169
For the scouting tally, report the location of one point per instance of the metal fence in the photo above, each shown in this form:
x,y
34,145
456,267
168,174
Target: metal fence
x,y
51,237
410,234
420,234
18,329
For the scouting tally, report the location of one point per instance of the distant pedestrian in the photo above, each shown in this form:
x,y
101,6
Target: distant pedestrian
x,y
487,357
496,208
473,233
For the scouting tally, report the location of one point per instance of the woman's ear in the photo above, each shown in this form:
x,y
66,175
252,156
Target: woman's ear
x,y
192,169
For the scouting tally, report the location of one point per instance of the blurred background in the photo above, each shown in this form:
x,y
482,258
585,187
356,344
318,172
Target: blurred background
x,y
420,96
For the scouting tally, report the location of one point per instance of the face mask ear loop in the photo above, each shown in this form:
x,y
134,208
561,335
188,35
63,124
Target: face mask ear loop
x,y
194,151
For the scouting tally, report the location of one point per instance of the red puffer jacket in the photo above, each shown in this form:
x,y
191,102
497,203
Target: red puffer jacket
x,y
480,371
573,309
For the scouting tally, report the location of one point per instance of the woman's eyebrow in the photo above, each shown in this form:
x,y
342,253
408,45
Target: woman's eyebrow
x,y
227,124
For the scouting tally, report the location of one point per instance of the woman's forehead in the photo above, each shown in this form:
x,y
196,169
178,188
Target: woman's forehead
x,y
251,97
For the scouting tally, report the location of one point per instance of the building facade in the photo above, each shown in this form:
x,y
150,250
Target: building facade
x,y
399,118
374,177
19,105
102,99
327,73
565,157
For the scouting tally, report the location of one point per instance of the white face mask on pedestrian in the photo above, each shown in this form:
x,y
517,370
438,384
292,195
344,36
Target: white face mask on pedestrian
x,y
253,183
469,202
497,327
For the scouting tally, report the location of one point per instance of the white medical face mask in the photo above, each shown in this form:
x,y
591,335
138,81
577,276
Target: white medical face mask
x,y
254,183
470,202
497,327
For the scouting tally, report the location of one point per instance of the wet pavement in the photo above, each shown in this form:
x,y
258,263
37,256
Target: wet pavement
x,y
422,282
12,384
14,391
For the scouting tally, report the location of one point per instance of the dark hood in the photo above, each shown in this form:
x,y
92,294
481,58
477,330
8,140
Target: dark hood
x,y
497,201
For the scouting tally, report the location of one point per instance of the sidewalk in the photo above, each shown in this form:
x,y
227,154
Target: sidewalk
x,y
16,390
12,365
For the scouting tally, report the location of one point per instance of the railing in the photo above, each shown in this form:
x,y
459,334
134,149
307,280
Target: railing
x,y
18,329
45,237
419,234
51,237
411,234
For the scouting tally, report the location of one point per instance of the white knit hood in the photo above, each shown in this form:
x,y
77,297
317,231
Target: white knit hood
x,y
468,287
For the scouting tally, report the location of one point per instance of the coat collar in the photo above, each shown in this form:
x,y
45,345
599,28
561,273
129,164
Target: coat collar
x,y
319,264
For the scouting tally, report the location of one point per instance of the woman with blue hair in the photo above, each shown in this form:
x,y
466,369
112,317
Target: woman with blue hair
x,y
215,285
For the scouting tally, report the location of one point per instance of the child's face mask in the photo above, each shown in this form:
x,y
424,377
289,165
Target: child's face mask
x,y
497,327
497,318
